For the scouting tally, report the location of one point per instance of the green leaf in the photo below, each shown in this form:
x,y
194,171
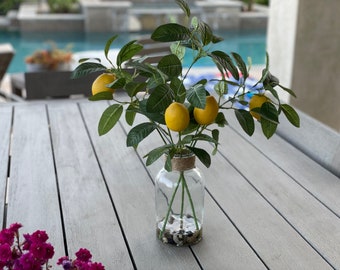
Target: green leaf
x,y
215,133
226,62
272,91
109,118
241,65
160,99
107,47
194,23
128,51
170,32
130,115
87,68
81,60
139,133
216,39
184,6
105,95
179,90
132,88
142,67
168,165
268,127
269,112
156,79
246,121
156,153
291,114
204,137
178,50
291,92
187,139
156,117
170,65
196,95
220,120
221,88
205,33
118,83
202,155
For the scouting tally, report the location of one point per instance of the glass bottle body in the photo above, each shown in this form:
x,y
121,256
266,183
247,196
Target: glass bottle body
x,y
179,198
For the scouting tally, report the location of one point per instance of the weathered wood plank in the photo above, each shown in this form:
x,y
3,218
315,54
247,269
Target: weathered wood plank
x,y
314,138
133,195
89,215
308,216
311,175
276,242
5,132
33,194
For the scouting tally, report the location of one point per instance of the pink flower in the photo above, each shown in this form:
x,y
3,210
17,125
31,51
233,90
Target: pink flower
x,y
96,266
61,260
7,237
49,251
5,253
34,253
27,262
65,262
39,236
83,255
15,227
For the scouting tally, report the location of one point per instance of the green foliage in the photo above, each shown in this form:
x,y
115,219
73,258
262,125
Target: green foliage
x,y
7,5
250,3
62,6
152,88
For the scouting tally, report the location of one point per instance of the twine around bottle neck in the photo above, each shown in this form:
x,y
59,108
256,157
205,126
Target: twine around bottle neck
x,y
183,163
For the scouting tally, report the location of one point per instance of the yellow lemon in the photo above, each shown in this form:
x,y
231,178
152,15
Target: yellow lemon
x,y
101,82
207,115
177,116
256,102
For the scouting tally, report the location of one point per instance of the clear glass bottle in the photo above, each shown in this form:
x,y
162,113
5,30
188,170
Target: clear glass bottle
x,y
179,202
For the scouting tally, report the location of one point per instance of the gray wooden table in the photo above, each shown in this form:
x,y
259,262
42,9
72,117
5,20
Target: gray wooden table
x,y
268,206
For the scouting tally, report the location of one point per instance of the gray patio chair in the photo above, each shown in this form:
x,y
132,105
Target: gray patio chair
x,y
57,84
6,55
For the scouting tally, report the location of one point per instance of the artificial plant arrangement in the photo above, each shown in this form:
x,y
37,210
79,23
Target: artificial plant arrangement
x,y
52,57
183,116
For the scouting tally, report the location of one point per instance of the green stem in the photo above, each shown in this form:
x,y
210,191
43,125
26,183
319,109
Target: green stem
x,y
191,203
182,203
160,134
169,208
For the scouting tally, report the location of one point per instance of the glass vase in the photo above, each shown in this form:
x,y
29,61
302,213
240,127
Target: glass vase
x,y
179,198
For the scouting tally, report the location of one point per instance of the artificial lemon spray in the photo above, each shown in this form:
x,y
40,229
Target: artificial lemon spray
x,y
183,116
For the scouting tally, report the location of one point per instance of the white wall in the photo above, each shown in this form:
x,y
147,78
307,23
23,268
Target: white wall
x,y
304,45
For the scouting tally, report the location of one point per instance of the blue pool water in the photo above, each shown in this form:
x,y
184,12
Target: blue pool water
x,y
247,44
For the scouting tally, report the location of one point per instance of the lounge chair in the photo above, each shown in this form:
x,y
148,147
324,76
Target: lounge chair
x,y
6,55
56,84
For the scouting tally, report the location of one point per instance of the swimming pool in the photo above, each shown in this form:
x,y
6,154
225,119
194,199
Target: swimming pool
x,y
246,43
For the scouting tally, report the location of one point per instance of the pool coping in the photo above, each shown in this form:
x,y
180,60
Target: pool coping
x,y
104,16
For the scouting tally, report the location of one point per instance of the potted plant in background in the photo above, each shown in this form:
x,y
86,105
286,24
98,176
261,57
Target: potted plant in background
x,y
50,59
185,117
63,6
